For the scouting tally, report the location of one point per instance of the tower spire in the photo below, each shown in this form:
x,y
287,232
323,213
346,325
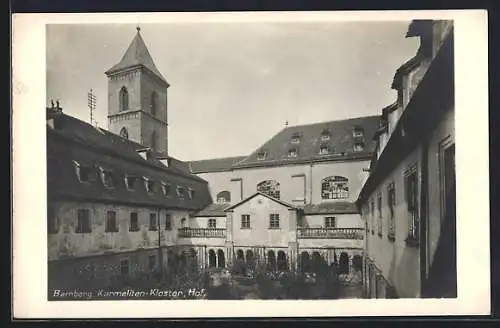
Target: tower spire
x,y
138,28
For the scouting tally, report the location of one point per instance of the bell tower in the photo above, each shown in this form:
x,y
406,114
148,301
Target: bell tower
x,y
137,98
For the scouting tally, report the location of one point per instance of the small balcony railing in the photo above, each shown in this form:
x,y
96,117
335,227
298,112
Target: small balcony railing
x,y
202,233
330,233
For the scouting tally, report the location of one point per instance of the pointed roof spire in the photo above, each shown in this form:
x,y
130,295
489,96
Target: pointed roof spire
x,y
137,54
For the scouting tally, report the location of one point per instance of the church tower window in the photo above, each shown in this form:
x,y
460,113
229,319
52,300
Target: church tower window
x,y
123,99
154,103
124,133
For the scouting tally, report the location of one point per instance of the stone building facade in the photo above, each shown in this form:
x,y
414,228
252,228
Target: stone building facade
x,y
408,200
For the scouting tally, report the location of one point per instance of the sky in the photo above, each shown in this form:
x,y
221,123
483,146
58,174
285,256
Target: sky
x,y
234,85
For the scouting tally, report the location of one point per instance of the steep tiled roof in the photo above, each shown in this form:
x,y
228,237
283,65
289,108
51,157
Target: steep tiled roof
x,y
215,164
137,54
76,141
213,210
340,146
331,208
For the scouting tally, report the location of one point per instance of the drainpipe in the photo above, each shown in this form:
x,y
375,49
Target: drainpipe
x,y
310,183
423,214
160,253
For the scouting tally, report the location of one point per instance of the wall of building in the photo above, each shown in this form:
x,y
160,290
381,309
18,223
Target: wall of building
x,y
442,136
259,233
202,222
397,261
66,243
342,221
292,187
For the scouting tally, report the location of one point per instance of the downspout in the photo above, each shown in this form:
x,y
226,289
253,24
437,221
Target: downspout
x,y
160,253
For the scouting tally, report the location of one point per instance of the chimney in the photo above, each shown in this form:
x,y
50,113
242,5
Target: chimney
x,y
52,113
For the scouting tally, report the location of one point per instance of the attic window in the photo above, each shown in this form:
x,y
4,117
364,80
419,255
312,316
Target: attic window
x,y
357,132
292,152
106,177
325,135
149,184
295,138
262,155
165,187
359,146
83,172
323,150
131,182
191,193
180,192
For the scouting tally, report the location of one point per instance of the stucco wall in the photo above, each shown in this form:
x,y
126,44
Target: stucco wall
x,y
291,188
259,233
66,243
342,220
398,262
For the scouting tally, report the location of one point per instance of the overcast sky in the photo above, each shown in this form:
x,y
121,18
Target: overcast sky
x,y
233,86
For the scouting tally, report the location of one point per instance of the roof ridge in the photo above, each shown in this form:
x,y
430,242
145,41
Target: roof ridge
x,y
333,121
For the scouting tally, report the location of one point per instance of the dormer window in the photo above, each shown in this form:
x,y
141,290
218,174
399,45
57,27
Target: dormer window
x,y
83,172
292,152
323,150
165,187
325,135
357,132
180,192
262,155
131,182
106,177
149,185
359,146
191,193
295,138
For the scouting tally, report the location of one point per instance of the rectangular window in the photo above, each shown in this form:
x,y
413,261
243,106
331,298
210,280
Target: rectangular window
x,y
152,263
262,155
124,268
391,204
359,146
134,222
168,222
245,221
357,132
379,216
191,193
84,224
292,153
150,185
165,187
130,182
107,178
323,150
180,192
330,222
111,225
212,223
274,221
152,222
411,186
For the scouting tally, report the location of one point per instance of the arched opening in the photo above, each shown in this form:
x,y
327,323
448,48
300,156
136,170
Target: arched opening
x,y
221,259
250,259
123,99
271,261
344,263
270,188
212,259
282,261
305,262
240,256
154,103
335,187
223,197
317,261
124,133
357,262
183,223
182,261
172,265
